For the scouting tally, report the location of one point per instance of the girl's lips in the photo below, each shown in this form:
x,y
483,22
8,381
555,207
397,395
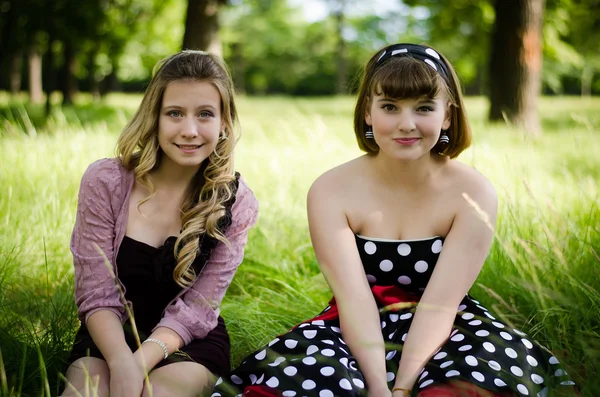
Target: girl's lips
x,y
407,141
188,148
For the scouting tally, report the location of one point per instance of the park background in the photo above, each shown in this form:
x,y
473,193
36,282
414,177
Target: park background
x,y
72,73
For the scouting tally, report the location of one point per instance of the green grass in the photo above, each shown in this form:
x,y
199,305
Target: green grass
x,y
541,274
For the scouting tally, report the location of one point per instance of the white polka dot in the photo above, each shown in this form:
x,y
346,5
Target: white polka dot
x,y
311,349
421,266
344,361
327,371
489,316
423,375
478,376
406,316
432,53
472,361
489,347
436,247
559,372
236,379
506,335
352,365
527,344
430,63
426,383
462,307
532,361
371,279
325,393
328,342
467,316
272,382
390,336
446,364
475,323
273,342
497,324
290,343
390,355
220,380
309,360
537,379
390,376
318,322
277,361
309,334
259,380
303,325
494,365
308,384
262,354
474,300
393,317
465,348
482,333
383,324
328,352
452,373
386,265
289,393
338,330
522,389
553,360
510,352
457,338
519,332
499,382
404,249
482,308
404,337
440,355
567,383
516,370
359,383
370,247
290,371
345,384
404,280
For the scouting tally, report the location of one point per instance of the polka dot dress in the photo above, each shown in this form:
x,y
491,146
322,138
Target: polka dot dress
x,y
313,359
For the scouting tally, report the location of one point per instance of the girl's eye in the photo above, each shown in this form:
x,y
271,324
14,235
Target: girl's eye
x,y
388,107
425,109
205,114
174,113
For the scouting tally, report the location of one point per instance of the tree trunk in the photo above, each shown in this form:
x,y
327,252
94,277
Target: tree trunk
x,y
587,76
16,72
202,26
342,61
36,94
516,63
239,67
92,79
68,80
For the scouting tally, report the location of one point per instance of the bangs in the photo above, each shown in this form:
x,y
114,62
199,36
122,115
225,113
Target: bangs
x,y
418,80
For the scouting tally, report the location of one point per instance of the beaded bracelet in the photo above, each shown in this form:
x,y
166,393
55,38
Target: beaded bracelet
x,y
161,344
405,392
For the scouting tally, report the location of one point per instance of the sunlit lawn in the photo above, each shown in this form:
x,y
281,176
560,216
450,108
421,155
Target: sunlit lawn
x,y
541,275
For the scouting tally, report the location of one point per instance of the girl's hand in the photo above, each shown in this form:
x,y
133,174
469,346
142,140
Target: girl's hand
x,y
126,377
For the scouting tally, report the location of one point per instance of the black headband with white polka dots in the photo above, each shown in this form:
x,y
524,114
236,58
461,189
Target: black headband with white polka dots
x,y
425,54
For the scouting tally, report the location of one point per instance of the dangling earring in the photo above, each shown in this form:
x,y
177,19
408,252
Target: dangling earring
x,y
223,135
369,133
444,139
443,142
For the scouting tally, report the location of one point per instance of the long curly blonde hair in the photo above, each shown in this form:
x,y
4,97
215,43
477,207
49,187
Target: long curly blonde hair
x,y
139,151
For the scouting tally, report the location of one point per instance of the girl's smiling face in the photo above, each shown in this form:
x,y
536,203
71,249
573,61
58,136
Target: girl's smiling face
x,y
189,123
407,129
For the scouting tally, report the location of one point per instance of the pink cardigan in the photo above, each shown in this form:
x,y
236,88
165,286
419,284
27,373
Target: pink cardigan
x,y
102,213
